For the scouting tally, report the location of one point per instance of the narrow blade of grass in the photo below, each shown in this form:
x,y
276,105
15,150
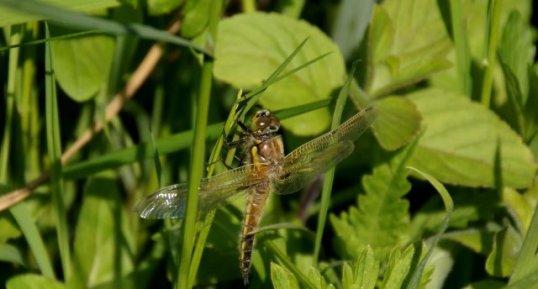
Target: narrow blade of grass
x,y
415,281
198,156
55,153
527,258
459,36
494,23
329,175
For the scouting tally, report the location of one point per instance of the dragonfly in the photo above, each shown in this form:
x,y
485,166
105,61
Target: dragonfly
x,y
266,170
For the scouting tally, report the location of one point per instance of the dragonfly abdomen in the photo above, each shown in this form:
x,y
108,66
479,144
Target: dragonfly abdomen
x,y
253,212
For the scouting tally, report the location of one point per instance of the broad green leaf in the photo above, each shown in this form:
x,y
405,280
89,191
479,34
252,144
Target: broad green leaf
x,y
103,241
381,219
461,139
33,281
82,64
250,47
399,266
10,16
502,258
397,123
159,7
408,43
282,278
195,18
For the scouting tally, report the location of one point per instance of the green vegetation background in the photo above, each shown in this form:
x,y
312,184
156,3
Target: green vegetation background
x,y
101,105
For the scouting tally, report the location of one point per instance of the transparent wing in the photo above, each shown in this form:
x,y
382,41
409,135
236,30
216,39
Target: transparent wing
x,y
170,202
306,162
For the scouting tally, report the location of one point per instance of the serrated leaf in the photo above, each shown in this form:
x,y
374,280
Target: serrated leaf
x,y
251,46
282,278
381,218
506,247
408,43
366,269
397,123
82,64
10,16
33,281
519,207
398,268
101,233
460,143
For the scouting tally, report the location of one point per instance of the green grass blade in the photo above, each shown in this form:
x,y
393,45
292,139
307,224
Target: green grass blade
x,y
198,156
329,175
415,281
494,23
72,19
28,227
55,154
463,57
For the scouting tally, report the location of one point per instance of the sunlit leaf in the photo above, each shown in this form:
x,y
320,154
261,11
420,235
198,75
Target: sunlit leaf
x,y
397,123
460,142
82,64
408,43
250,47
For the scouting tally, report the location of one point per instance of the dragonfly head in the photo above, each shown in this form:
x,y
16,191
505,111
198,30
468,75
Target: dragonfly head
x,y
264,123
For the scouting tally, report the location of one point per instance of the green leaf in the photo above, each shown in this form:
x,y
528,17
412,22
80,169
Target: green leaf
x,y
195,18
516,52
8,230
365,269
506,247
11,254
381,218
397,123
82,64
282,278
399,266
244,57
159,7
103,242
350,24
480,241
408,43
460,143
11,16
33,281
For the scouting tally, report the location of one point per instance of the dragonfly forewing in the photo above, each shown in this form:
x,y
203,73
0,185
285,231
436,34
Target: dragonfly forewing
x,y
306,162
170,202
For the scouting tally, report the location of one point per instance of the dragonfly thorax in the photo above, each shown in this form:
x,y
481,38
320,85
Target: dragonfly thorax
x,y
264,124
